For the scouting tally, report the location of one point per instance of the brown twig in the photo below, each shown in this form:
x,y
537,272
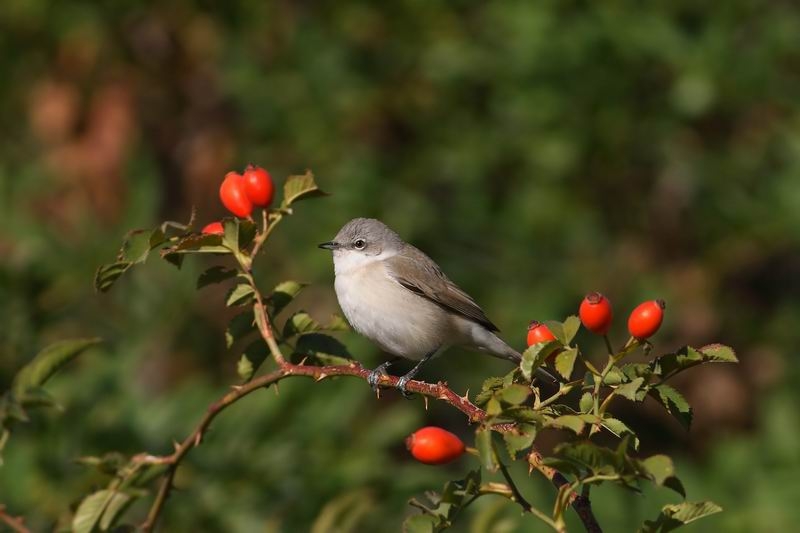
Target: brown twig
x,y
439,391
14,522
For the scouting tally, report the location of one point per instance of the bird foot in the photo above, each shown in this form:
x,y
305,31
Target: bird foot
x,y
401,386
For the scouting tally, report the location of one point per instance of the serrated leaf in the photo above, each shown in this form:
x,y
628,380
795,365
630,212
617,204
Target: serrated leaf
x,y
422,523
300,187
619,428
659,467
116,504
251,360
137,245
587,402
719,353
572,422
244,368
241,294
323,348
109,464
240,326
571,326
237,233
107,275
197,243
629,390
520,439
282,295
565,362
299,323
90,510
37,397
514,394
577,457
676,515
483,441
48,361
674,402
534,357
524,414
614,377
215,274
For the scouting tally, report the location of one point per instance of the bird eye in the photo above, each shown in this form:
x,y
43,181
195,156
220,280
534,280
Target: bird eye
x,y
359,244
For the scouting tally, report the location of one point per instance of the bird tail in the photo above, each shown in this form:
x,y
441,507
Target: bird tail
x,y
504,351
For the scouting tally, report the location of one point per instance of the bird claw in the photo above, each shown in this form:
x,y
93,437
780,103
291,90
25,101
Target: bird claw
x,y
374,378
401,386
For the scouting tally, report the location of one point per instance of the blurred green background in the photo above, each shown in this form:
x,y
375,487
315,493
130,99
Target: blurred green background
x,y
536,150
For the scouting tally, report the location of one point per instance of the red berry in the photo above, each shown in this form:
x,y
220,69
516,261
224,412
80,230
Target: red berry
x,y
646,319
595,313
538,332
258,186
434,446
233,195
215,228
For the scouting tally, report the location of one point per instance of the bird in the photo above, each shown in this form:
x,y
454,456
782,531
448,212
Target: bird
x,y
395,295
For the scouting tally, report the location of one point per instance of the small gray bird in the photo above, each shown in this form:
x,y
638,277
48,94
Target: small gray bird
x,y
396,296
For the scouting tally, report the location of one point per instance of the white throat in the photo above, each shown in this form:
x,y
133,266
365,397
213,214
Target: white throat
x,y
349,261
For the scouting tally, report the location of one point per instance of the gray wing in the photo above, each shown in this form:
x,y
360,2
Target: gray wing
x,y
418,273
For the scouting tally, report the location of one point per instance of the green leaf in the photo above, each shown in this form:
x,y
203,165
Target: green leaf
x,y
137,245
238,233
48,361
107,275
241,294
90,510
118,502
571,326
659,467
299,323
423,523
215,274
483,441
37,397
674,402
251,360
534,357
687,357
577,457
676,515
197,243
565,362
719,353
520,439
614,377
572,422
299,188
109,464
240,326
629,390
514,394
323,348
282,295
587,402
619,428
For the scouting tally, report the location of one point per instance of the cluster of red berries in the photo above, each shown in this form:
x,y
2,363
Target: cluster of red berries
x,y
596,316
241,193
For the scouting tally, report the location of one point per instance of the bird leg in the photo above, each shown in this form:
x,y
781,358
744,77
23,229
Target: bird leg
x,y
403,381
375,376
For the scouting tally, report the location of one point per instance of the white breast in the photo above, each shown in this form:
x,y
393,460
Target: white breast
x,y
397,320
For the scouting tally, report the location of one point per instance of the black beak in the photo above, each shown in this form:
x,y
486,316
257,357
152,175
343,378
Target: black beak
x,y
329,245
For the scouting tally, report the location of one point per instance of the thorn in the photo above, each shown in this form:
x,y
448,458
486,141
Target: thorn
x,y
198,438
237,388
276,389
426,402
466,396
176,445
378,392
352,365
321,376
